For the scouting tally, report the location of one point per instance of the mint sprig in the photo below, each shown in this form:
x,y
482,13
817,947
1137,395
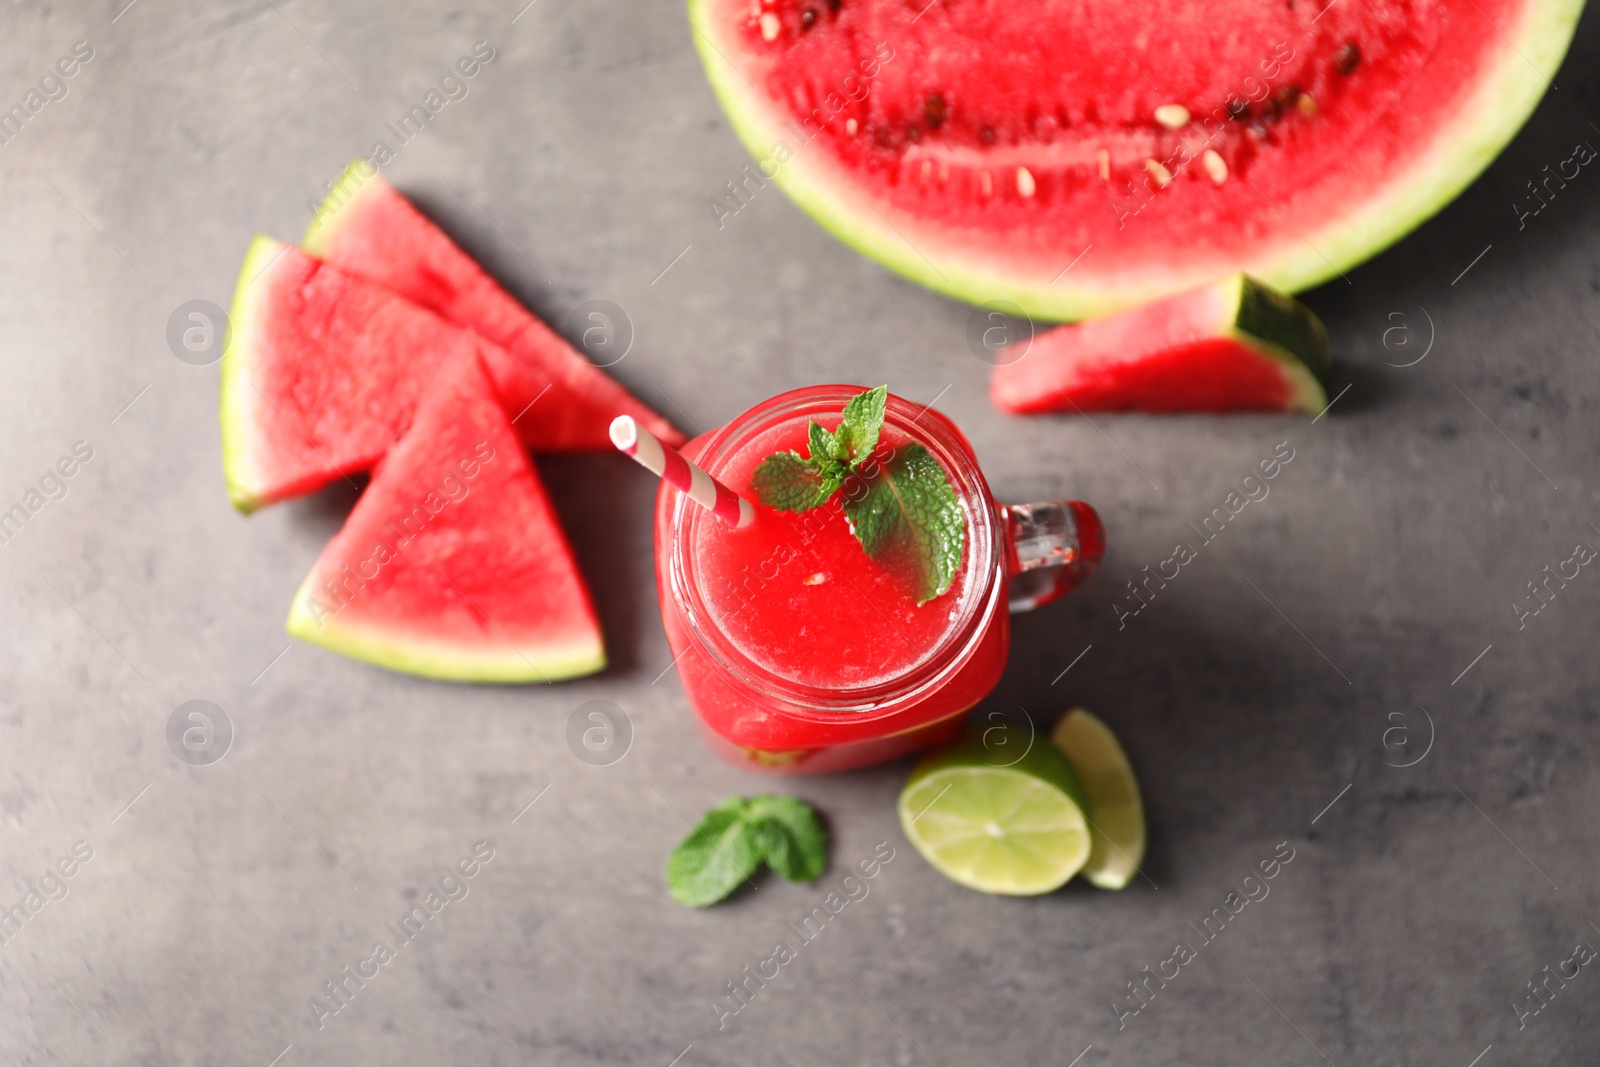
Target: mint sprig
x,y
736,837
905,502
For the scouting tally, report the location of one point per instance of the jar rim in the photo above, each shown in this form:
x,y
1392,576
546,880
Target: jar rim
x,y
981,596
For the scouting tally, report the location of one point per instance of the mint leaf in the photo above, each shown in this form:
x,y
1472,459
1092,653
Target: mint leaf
x,y
863,420
911,504
792,839
825,445
734,838
785,482
719,853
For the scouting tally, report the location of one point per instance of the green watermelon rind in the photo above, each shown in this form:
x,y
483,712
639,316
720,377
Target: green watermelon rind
x,y
238,408
446,663
1281,329
1483,127
323,224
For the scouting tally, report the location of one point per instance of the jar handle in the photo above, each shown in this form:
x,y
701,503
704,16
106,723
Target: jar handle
x,y
1054,548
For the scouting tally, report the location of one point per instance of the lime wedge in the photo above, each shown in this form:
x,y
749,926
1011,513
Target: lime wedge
x,y
1116,813
997,824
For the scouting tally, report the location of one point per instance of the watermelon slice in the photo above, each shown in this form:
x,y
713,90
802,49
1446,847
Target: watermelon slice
x,y
1233,346
325,371
981,147
452,564
366,228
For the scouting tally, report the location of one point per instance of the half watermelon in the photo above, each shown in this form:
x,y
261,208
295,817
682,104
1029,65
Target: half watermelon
x,y
1079,158
366,228
1233,346
452,564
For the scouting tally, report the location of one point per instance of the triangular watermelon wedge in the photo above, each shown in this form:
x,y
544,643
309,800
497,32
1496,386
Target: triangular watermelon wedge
x,y
324,373
367,228
1236,345
452,564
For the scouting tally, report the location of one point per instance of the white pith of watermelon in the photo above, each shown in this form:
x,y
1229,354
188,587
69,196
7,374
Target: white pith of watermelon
x,y
452,564
1231,346
324,373
1440,86
367,228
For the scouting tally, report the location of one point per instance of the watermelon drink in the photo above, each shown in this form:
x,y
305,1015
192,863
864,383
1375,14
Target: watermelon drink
x,y
802,652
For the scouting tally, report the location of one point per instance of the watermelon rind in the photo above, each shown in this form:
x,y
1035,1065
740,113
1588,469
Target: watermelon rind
x,y
449,663
1285,331
240,403
352,184
1501,103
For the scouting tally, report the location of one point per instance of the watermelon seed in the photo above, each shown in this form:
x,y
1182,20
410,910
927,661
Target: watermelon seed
x,y
1307,106
1103,159
986,134
1215,165
769,26
808,18
1158,173
1238,109
1172,116
851,126
1025,183
934,110
1285,96
833,5
1347,58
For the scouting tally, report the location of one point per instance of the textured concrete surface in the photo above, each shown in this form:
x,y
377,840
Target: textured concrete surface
x,y
1359,617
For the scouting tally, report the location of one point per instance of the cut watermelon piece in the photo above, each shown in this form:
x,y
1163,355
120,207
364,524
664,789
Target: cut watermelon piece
x,y
365,227
981,148
324,373
452,564
1233,346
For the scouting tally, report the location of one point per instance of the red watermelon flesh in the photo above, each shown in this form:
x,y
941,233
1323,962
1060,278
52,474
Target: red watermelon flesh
x,y
367,228
982,146
325,370
452,564
1233,346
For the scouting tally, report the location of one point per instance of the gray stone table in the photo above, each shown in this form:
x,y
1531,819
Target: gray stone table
x,y
1371,592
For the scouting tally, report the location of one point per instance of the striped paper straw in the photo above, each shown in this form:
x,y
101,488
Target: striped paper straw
x,y
648,451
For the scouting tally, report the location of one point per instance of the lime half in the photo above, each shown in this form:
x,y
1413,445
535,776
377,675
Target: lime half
x,y
1116,813
1016,828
